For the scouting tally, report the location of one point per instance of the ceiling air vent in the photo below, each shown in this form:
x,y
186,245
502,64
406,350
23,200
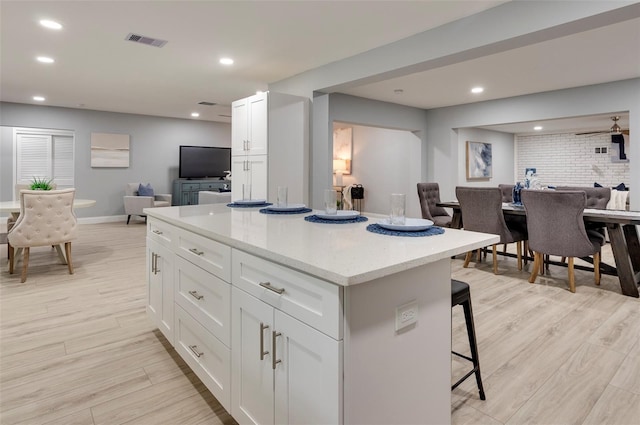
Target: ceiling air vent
x,y
137,38
206,103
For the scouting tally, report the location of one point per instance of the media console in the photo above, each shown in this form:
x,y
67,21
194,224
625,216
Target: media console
x,y
185,191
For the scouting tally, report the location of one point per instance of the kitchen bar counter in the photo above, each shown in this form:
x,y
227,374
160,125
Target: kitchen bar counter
x,y
345,254
287,321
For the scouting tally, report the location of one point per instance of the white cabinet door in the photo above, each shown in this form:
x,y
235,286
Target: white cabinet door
x,y
258,124
160,287
239,127
251,372
249,128
308,378
251,169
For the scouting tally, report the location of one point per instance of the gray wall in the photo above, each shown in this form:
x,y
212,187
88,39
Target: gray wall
x,y
502,151
153,149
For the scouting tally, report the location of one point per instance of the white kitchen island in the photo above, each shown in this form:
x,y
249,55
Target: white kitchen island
x,y
288,321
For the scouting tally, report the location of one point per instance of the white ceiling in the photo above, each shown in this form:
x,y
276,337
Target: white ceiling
x,y
97,69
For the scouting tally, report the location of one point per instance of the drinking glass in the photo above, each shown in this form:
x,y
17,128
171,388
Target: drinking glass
x,y
282,196
330,202
397,208
246,192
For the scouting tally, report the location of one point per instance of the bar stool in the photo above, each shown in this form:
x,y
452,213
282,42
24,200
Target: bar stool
x,y
460,295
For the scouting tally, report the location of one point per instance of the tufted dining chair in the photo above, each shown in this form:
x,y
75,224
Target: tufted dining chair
x,y
556,227
429,195
481,209
46,219
507,192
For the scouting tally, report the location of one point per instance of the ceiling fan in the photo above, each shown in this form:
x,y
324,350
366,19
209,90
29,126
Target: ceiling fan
x,y
615,129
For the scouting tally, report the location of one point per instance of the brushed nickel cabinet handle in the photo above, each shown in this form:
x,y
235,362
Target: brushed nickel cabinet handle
x,y
195,295
268,286
157,269
195,251
262,351
153,262
274,362
157,232
194,349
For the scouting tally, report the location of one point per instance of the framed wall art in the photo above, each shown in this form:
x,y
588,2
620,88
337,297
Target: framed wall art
x,y
109,150
479,161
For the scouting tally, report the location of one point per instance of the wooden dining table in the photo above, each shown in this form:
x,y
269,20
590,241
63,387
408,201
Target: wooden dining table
x,y
623,235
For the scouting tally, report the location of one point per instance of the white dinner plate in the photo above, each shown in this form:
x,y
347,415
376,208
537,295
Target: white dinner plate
x,y
410,225
290,207
342,215
250,201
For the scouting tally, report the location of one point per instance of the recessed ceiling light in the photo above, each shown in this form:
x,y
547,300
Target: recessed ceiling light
x,y
50,24
195,114
226,61
38,98
537,128
45,59
477,90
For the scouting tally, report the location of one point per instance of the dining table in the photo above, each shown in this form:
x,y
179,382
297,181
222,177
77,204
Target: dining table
x,y
623,235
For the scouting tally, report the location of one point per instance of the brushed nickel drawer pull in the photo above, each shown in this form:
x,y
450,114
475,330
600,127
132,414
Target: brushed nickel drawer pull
x,y
195,295
262,351
274,362
267,285
157,270
195,251
194,349
157,232
153,262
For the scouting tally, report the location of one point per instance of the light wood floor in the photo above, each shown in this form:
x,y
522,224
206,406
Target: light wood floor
x,y
79,349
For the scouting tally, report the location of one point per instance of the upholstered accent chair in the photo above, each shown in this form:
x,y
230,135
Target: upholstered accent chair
x,y
46,219
481,209
597,197
134,204
507,192
556,227
11,220
429,195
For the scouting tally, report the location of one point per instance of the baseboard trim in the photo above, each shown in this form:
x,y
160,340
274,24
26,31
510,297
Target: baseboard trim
x,y
103,219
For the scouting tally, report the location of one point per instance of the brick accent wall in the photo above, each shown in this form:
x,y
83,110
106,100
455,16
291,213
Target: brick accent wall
x,y
570,160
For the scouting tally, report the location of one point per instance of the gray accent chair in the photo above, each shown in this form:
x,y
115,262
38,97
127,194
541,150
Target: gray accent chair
x,y
597,197
134,204
507,192
556,227
429,195
481,209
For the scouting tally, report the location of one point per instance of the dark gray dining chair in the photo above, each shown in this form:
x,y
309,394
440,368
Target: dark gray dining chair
x,y
556,227
429,195
507,192
481,209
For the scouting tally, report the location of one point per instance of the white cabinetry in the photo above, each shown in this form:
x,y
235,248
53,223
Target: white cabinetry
x,y
274,127
283,371
286,345
250,169
159,261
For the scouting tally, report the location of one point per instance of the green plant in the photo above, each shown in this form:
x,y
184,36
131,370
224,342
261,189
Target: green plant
x,y
41,184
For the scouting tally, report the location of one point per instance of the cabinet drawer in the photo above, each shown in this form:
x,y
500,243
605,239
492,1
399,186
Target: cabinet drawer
x,y
209,358
205,297
313,301
212,256
210,186
190,186
161,232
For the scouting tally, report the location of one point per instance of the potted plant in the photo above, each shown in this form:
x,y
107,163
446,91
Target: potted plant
x,y
41,184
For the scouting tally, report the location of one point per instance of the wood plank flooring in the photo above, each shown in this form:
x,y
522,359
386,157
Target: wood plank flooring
x,y
79,349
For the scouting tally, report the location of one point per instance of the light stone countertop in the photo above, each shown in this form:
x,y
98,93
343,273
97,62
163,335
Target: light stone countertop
x,y
345,254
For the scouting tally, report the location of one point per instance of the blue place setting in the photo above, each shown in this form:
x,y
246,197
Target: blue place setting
x,y
286,209
250,203
412,227
341,217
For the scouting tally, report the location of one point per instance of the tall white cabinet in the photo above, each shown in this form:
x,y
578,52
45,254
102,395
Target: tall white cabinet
x,y
270,145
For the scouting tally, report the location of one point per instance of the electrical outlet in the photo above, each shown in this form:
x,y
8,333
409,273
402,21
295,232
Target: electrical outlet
x,y
406,315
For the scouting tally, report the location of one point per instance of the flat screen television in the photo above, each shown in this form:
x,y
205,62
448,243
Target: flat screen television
x,y
199,162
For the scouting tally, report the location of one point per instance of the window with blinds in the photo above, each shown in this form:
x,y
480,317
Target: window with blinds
x,y
44,154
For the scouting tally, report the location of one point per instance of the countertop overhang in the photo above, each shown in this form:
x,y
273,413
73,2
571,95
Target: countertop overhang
x,y
345,254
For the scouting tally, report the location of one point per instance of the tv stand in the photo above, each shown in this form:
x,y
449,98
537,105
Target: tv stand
x,y
185,191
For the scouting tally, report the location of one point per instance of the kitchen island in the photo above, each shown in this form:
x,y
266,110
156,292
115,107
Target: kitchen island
x,y
287,321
